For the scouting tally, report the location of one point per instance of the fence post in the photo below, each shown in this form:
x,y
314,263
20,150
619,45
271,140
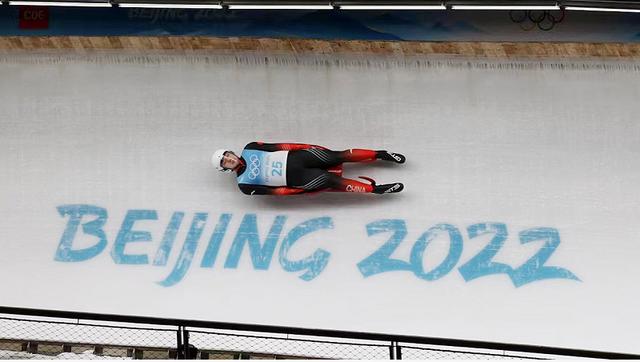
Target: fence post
x,y
185,345
179,335
398,351
391,351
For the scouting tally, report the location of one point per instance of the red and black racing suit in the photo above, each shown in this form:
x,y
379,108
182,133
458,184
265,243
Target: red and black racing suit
x,y
307,169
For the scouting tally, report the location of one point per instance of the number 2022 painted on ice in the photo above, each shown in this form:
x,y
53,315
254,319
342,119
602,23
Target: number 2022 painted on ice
x,y
478,266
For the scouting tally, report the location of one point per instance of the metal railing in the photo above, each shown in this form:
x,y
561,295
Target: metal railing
x,y
28,333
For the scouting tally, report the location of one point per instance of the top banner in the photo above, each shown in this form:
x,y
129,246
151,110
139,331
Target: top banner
x,y
339,24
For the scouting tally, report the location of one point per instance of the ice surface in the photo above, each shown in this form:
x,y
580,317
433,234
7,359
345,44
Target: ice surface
x,y
526,144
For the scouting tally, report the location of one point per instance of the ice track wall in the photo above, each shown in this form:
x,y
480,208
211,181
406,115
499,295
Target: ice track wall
x,y
518,222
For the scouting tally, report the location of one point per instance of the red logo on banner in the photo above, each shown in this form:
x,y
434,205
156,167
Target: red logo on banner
x,y
34,17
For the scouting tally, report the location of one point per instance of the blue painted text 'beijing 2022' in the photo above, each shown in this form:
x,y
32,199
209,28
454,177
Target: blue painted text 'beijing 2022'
x,y
93,218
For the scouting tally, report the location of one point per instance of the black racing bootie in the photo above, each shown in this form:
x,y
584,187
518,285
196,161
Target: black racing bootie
x,y
390,156
388,188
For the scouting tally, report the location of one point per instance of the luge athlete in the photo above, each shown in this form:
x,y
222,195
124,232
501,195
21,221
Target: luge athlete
x,y
295,168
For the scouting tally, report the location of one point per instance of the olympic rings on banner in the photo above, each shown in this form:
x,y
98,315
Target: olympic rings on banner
x,y
543,19
254,167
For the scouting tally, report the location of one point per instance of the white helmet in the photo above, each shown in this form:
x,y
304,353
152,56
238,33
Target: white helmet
x,y
216,160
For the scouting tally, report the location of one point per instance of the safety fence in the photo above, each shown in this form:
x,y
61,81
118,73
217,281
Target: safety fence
x,y
33,334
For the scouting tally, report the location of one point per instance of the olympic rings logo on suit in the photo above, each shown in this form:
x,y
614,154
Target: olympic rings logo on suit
x,y
529,19
254,167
